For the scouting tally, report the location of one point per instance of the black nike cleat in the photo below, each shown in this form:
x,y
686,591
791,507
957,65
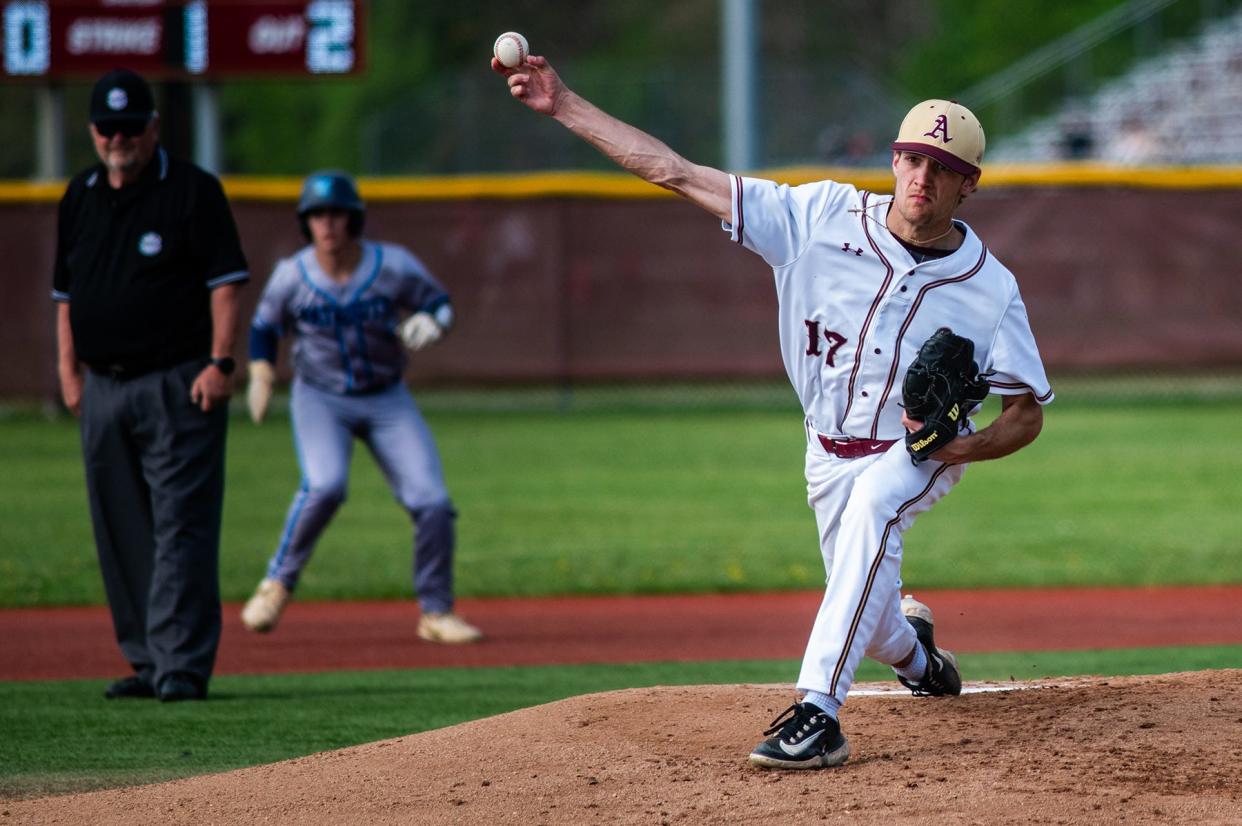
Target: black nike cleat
x,y
804,738
941,678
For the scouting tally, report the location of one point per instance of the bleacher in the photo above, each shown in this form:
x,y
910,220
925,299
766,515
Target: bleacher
x,y
1183,106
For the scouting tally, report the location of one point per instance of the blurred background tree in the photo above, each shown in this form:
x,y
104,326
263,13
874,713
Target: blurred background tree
x,y
832,79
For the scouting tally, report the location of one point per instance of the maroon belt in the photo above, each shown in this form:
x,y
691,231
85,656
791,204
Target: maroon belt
x,y
854,448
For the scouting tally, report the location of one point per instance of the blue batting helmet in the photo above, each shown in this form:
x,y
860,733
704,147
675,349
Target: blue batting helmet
x,y
330,189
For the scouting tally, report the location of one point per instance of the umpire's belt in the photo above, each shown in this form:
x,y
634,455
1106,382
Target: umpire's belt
x,y
854,448
121,372
124,371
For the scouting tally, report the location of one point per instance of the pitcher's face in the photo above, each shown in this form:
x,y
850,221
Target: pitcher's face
x,y
927,192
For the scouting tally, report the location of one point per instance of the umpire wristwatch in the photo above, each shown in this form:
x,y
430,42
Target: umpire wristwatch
x,y
225,365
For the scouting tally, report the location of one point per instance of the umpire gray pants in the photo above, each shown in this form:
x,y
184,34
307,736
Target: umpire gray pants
x,y
155,480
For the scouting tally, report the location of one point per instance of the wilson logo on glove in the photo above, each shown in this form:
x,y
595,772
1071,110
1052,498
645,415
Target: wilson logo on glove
x,y
942,380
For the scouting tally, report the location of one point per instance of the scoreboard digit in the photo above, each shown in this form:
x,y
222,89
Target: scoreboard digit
x,y
329,45
178,38
27,39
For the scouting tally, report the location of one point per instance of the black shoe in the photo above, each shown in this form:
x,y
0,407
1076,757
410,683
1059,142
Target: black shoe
x,y
941,679
180,686
129,687
806,738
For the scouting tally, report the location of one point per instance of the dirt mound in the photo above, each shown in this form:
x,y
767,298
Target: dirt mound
x,y
1134,749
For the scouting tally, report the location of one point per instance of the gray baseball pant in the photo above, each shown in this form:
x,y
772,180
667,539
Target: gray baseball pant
x,y
155,482
389,423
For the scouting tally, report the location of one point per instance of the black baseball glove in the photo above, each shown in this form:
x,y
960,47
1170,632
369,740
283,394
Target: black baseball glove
x,y
941,387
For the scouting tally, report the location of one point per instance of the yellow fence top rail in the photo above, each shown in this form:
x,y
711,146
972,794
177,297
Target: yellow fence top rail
x,y
618,185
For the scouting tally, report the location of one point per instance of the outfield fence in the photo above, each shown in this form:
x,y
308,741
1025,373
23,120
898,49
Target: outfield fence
x,y
575,281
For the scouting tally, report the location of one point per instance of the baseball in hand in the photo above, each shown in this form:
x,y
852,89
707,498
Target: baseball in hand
x,y
511,50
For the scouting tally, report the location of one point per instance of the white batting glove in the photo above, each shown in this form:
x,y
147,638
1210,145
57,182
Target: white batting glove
x,y
259,390
422,329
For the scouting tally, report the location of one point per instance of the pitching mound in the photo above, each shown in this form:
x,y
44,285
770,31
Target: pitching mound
x,y
1140,749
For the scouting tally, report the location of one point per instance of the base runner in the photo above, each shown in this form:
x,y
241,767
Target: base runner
x,y
342,299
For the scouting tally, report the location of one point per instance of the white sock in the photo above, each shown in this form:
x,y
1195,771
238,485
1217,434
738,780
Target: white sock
x,y
826,702
917,667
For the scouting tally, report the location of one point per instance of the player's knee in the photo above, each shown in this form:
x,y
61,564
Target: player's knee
x,y
424,498
331,494
438,515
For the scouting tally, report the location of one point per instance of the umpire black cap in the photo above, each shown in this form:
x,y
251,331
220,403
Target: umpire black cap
x,y
331,189
121,96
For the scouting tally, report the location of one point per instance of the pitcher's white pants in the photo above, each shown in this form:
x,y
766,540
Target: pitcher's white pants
x,y
863,507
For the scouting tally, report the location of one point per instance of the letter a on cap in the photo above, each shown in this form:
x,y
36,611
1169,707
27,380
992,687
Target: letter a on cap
x,y
941,129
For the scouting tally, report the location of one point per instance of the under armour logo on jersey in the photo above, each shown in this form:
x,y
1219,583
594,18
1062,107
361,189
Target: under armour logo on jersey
x,y
848,248
941,129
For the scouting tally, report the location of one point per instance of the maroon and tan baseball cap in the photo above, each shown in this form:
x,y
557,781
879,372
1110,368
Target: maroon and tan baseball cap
x,y
945,130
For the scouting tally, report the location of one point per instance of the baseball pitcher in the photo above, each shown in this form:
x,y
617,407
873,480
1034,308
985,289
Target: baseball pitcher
x,y
863,281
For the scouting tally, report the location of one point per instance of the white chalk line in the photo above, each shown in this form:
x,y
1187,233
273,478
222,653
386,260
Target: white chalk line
x,y
898,690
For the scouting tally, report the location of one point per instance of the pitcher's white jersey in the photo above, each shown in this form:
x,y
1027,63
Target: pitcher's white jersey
x,y
854,307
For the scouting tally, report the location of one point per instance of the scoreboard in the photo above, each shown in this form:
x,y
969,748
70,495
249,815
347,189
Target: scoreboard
x,y
45,39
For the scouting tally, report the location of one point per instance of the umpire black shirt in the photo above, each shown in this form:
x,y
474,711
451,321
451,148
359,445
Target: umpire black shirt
x,y
137,264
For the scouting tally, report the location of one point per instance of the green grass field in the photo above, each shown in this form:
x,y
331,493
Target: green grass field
x,y
676,501
605,498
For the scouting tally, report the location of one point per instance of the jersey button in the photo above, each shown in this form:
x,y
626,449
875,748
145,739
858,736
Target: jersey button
x,y
903,288
863,394
877,351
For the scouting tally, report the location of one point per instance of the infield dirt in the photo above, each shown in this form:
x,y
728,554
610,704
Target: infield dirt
x,y
1159,749
70,643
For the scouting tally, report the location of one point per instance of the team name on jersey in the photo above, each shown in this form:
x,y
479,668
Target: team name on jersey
x,y
378,308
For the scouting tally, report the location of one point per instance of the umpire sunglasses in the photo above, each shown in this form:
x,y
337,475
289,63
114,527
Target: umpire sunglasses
x,y
127,127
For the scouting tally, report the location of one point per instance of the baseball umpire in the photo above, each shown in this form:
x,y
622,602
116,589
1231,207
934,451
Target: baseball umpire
x,y
863,281
342,298
148,265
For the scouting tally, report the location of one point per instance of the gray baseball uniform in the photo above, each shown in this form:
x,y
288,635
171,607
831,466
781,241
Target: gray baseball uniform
x,y
348,363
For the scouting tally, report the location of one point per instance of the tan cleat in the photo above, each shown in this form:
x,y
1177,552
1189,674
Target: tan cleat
x,y
263,610
447,628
